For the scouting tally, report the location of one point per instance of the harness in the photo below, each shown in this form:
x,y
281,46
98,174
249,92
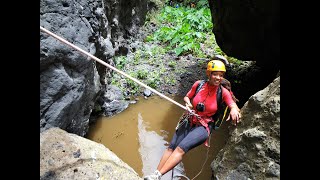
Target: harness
x,y
211,122
222,108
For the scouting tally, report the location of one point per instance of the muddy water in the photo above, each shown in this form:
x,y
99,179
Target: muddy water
x,y
140,134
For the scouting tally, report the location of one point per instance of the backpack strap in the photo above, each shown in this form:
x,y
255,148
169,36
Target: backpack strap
x,y
200,84
219,111
219,102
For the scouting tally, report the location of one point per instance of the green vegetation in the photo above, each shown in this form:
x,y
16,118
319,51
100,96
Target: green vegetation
x,y
172,64
234,60
142,74
178,29
182,29
120,61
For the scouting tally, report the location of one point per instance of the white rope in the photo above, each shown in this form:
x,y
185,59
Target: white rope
x,y
111,67
204,161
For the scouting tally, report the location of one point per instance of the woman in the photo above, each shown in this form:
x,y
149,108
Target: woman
x,y
196,132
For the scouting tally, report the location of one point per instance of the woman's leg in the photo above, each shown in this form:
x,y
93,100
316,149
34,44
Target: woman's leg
x,y
171,161
164,158
195,137
178,136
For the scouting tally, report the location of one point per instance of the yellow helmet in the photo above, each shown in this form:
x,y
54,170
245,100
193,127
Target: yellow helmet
x,y
216,65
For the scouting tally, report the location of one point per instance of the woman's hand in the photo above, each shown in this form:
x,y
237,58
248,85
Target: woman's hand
x,y
189,106
235,115
188,103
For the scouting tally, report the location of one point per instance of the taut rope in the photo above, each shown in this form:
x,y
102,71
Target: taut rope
x,y
124,74
111,67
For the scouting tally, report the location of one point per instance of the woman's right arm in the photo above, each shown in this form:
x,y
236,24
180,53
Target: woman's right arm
x,y
188,103
190,94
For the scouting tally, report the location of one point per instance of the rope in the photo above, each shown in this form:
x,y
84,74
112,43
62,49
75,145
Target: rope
x,y
124,74
113,68
184,120
218,123
203,162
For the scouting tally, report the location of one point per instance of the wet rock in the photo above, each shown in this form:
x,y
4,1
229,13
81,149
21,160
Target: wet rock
x,y
147,92
57,158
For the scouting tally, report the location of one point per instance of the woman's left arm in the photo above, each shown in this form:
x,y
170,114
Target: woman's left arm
x,y
234,110
234,114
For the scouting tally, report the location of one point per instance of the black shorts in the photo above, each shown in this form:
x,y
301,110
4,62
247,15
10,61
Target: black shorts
x,y
188,137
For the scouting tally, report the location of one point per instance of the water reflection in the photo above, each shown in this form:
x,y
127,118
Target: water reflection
x,y
152,146
140,134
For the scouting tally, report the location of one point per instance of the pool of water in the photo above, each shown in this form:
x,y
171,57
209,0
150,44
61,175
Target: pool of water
x,y
140,134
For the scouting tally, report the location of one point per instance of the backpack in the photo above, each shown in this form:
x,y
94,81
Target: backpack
x,y
223,109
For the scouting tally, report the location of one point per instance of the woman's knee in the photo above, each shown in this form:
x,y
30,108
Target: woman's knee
x,y
169,149
180,150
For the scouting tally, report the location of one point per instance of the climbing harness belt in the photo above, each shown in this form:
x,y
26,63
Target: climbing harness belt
x,y
184,118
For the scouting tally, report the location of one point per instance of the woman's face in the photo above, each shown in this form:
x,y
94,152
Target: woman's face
x,y
216,77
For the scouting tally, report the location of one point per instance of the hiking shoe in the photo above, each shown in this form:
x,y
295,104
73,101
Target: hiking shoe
x,y
155,176
152,177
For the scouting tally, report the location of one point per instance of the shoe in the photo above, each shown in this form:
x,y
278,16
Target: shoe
x,y
155,176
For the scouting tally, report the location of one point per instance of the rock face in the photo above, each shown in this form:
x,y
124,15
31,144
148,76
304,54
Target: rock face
x,y
248,30
68,156
253,150
70,83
